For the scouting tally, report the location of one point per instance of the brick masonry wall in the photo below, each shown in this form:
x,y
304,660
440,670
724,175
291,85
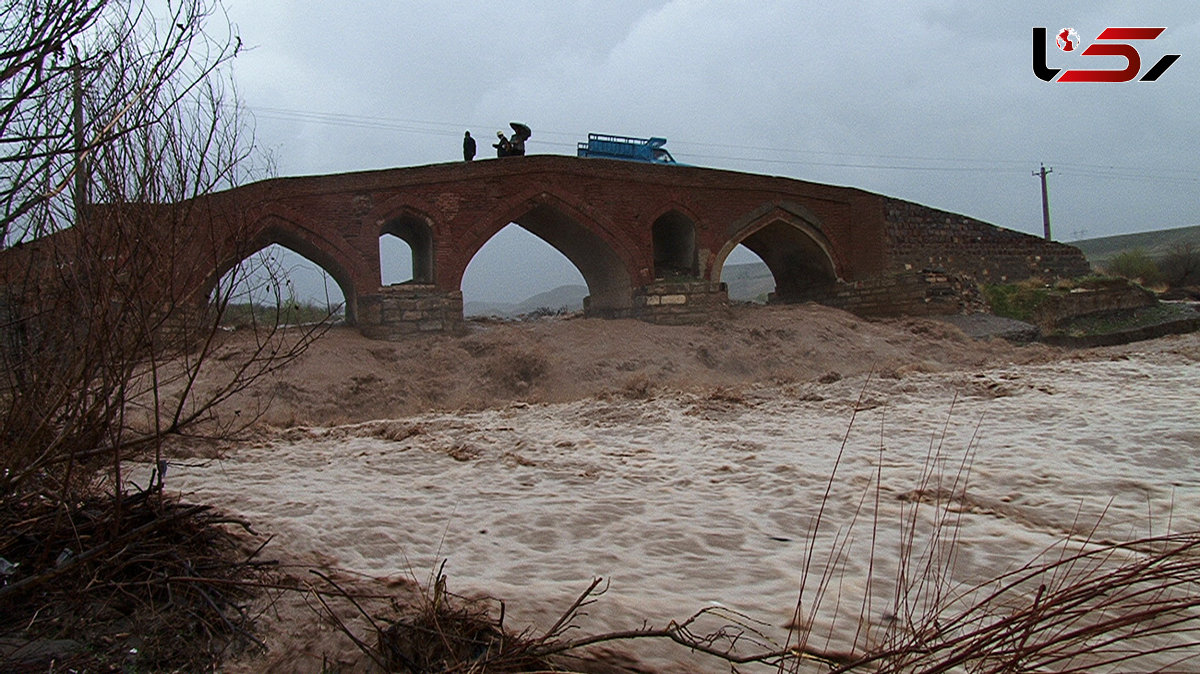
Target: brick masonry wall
x,y
920,237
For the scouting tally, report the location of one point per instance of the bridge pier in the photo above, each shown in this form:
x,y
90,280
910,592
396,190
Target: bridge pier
x,y
410,308
680,303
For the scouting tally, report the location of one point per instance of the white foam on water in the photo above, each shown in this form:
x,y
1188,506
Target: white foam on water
x,y
685,501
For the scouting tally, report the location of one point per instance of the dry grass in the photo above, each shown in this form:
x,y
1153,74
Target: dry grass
x,y
1114,607
154,585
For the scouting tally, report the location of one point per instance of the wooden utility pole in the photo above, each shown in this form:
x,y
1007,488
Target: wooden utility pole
x,y
1045,200
81,167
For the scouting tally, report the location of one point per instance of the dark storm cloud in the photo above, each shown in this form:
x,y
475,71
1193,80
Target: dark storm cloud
x,y
933,101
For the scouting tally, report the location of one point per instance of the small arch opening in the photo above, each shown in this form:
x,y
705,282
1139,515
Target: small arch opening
x,y
674,239
406,251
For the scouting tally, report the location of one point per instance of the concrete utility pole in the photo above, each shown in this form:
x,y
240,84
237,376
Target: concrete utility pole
x,y
1045,199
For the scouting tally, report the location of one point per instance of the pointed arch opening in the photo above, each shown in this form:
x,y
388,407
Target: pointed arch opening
x,y
406,251
517,273
284,277
674,238
793,249
747,276
603,272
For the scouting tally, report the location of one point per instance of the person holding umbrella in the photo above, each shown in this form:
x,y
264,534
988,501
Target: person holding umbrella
x,y
521,133
516,146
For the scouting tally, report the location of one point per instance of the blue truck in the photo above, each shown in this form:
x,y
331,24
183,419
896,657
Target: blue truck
x,y
623,147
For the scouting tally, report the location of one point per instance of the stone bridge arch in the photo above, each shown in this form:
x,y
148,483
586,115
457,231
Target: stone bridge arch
x,y
789,239
274,229
602,259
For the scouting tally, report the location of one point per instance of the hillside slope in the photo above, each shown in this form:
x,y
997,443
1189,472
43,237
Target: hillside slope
x,y
1156,243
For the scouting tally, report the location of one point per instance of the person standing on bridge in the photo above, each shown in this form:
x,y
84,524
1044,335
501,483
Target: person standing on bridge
x,y
503,147
468,147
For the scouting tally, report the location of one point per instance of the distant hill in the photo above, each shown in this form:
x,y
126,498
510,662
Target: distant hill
x,y
1155,244
748,282
569,296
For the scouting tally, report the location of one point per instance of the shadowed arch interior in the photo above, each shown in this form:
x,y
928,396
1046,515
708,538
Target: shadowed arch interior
x,y
416,232
674,238
794,251
603,271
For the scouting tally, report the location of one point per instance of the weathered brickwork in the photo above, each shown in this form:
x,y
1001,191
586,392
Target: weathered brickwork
x,y
920,237
624,225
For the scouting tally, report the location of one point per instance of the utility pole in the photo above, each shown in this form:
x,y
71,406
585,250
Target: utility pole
x,y
1045,199
81,163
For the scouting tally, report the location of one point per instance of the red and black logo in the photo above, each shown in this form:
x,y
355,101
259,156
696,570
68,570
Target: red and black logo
x,y
1110,42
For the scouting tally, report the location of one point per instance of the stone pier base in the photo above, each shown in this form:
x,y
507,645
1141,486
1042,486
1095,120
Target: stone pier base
x,y
406,309
675,303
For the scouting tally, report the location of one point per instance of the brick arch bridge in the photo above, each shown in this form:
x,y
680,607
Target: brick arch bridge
x,y
623,225
650,240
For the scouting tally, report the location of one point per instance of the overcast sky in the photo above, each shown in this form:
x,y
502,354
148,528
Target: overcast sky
x,y
933,101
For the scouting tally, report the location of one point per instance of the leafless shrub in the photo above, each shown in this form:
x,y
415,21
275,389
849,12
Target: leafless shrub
x,y
442,632
167,587
1181,265
115,126
1126,606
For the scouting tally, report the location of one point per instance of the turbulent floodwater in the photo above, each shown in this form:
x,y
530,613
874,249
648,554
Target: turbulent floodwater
x,y
687,501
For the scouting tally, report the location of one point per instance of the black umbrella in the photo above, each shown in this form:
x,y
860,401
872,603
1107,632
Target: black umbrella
x,y
520,130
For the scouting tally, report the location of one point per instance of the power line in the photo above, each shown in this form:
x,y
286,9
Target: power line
x,y
898,162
